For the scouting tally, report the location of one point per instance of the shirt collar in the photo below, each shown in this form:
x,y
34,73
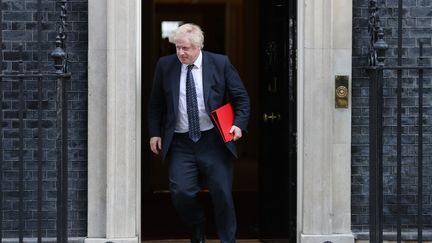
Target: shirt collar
x,y
198,61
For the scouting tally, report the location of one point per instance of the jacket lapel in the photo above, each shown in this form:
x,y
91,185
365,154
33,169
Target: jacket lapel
x,y
207,74
174,78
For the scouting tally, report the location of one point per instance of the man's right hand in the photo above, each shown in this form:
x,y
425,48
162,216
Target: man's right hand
x,y
155,144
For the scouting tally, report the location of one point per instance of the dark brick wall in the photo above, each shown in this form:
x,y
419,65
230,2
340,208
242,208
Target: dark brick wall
x,y
417,24
19,26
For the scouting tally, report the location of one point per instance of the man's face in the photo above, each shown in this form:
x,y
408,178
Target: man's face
x,y
186,52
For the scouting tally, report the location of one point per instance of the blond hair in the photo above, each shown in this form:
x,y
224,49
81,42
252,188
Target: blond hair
x,y
190,31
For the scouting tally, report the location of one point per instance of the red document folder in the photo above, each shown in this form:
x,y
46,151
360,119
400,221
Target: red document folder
x,y
223,117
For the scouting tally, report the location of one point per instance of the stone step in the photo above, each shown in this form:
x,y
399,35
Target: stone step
x,y
217,241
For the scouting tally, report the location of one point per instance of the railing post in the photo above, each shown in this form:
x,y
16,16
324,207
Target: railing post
x,y
39,126
60,64
21,108
1,129
375,156
377,48
420,149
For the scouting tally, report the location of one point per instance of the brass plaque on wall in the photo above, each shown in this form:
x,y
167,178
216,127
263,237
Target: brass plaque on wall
x,y
341,91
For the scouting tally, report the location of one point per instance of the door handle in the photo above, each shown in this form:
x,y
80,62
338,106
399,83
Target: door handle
x,y
271,117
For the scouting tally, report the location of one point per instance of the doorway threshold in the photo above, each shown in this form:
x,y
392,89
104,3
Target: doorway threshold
x,y
208,241
217,241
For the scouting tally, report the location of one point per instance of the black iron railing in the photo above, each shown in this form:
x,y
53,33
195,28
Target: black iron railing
x,y
376,71
20,77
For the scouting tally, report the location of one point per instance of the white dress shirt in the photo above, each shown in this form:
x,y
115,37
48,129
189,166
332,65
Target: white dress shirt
x,y
182,118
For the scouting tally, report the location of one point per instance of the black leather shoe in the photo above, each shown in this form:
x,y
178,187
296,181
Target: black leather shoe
x,y
198,233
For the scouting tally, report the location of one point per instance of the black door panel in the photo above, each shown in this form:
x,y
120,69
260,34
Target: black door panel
x,y
277,162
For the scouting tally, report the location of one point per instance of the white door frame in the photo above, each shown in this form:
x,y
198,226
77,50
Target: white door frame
x,y
324,132
114,122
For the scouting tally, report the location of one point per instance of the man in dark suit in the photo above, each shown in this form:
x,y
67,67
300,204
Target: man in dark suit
x,y
186,88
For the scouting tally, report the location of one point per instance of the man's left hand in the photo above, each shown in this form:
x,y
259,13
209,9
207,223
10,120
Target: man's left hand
x,y
237,133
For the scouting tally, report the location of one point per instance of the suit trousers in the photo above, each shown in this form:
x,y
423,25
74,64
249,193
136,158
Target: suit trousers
x,y
189,163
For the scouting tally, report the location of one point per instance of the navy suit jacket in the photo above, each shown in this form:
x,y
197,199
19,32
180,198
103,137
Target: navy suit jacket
x,y
219,77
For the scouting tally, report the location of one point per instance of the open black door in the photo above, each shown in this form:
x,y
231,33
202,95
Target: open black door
x,y
277,140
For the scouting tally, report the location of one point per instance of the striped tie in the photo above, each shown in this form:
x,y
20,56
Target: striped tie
x,y
192,106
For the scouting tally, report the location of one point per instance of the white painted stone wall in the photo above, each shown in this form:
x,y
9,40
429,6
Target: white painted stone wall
x,y
324,155
97,114
114,121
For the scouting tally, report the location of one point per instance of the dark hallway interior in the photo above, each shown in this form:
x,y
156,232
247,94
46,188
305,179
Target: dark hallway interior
x,y
235,28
